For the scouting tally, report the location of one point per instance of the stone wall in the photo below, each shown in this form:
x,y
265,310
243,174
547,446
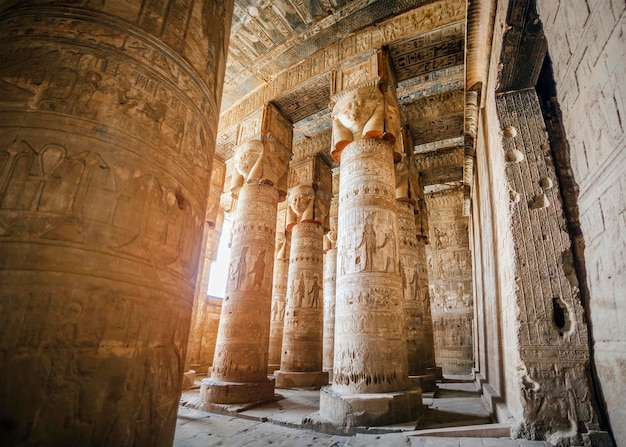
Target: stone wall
x,y
450,283
586,44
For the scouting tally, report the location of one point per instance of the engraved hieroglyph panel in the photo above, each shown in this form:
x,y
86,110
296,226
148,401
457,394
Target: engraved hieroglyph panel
x,y
414,278
330,285
552,337
411,23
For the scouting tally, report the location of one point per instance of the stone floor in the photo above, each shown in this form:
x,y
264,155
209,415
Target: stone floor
x,y
455,417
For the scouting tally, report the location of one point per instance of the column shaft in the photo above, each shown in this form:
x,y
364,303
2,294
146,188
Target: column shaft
x,y
279,297
239,371
108,124
301,360
370,342
418,320
330,283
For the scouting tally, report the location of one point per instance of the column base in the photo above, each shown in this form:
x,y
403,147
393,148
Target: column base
x,y
217,392
373,409
427,382
437,371
287,379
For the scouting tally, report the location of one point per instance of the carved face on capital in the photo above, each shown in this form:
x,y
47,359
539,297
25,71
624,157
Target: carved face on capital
x,y
356,112
247,155
299,199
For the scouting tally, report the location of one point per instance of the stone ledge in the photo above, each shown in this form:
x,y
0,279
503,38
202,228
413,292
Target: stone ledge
x,y
287,379
427,382
217,392
373,409
437,371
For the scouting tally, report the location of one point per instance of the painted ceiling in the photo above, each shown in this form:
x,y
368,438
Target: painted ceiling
x,y
270,37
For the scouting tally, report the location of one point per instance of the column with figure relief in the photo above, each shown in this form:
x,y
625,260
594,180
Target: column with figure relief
x,y
412,223
108,116
307,219
239,372
370,375
330,280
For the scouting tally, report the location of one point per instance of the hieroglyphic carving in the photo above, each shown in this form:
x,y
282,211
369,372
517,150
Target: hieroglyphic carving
x,y
449,276
106,154
431,51
279,294
259,178
303,331
552,340
136,99
367,276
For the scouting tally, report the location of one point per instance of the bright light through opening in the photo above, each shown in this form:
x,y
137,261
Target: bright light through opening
x,y
219,269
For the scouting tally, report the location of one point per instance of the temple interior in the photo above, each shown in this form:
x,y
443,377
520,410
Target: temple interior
x,y
423,200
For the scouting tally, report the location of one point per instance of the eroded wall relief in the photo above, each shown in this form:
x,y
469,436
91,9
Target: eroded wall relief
x,y
450,285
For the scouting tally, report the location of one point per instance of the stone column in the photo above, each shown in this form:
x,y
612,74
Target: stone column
x,y
370,376
239,372
108,117
279,298
418,319
301,360
214,220
330,280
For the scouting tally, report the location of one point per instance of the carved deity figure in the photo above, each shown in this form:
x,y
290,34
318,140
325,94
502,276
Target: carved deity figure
x,y
259,162
239,273
301,204
258,271
315,293
390,244
300,290
369,241
439,238
308,204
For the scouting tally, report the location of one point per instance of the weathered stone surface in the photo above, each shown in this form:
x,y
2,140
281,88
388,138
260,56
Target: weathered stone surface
x,y
108,119
413,234
241,353
330,279
449,276
303,330
279,299
552,334
363,409
242,343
